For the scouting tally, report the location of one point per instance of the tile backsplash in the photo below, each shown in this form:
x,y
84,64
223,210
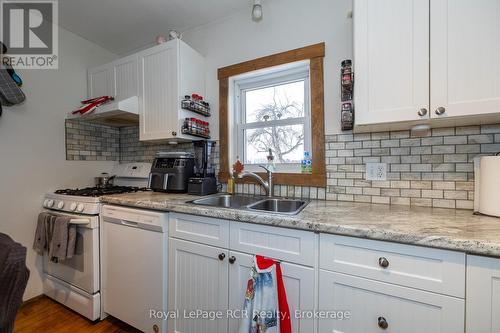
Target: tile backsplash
x,y
91,142
432,171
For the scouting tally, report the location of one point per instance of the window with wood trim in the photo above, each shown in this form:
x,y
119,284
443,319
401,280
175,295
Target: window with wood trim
x,y
276,102
272,112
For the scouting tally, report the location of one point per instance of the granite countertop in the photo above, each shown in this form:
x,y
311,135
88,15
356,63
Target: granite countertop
x,y
451,229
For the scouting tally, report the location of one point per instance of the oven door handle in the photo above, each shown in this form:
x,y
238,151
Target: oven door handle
x,y
79,221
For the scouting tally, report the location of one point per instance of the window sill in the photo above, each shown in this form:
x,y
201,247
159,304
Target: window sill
x,y
280,178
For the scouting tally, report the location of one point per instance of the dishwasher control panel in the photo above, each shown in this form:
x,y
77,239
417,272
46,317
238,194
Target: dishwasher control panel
x,y
140,218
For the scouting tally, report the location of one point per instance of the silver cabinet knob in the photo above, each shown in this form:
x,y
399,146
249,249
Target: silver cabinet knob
x,y
382,323
440,110
422,112
383,262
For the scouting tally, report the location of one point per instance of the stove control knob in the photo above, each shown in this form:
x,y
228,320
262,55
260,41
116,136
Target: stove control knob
x,y
80,207
60,205
50,203
45,202
72,207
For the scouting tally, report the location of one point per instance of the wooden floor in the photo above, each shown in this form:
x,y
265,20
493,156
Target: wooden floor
x,y
43,315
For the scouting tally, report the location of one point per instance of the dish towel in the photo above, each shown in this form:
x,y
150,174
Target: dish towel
x,y
40,242
62,244
56,236
265,299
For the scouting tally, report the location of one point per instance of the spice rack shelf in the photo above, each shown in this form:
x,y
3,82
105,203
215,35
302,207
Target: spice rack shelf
x,y
198,107
202,112
195,134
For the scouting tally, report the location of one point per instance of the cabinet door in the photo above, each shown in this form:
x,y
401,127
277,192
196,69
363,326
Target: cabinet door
x,y
299,284
483,295
158,97
391,60
465,53
125,76
372,305
100,81
198,280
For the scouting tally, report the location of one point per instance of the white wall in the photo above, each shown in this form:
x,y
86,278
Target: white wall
x,y
32,147
287,24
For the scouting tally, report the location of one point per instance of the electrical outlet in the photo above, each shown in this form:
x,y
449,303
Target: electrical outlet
x,y
376,171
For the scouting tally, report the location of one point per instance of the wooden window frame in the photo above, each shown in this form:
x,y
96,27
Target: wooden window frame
x,y
315,54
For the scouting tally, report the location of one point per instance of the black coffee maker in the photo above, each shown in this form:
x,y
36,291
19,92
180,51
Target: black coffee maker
x,y
204,181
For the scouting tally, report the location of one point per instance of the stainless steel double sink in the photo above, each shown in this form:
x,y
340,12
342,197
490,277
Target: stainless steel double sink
x,y
253,203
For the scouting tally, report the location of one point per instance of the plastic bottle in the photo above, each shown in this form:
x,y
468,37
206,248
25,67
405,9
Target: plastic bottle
x,y
306,163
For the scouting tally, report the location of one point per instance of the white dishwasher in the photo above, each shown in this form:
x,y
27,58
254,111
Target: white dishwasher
x,y
134,266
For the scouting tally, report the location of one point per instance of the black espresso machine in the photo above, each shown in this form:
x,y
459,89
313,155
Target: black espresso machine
x,y
203,182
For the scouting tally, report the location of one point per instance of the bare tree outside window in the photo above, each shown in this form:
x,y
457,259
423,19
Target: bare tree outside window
x,y
283,140
274,118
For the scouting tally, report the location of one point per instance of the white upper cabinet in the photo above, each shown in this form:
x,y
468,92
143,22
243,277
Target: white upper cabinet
x,y
465,57
421,60
125,72
117,79
160,77
100,81
391,52
158,92
167,72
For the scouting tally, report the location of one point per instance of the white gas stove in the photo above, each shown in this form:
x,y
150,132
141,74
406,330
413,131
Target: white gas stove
x,y
75,282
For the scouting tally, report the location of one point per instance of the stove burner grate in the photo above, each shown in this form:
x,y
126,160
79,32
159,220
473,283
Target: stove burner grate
x,y
99,191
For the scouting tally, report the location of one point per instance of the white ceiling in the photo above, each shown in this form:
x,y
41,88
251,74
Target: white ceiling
x,y
122,26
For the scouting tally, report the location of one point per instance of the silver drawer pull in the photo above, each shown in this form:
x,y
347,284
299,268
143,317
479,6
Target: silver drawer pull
x,y
383,262
382,323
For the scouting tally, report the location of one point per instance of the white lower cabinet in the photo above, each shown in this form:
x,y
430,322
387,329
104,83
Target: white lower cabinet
x,y
299,285
377,306
210,277
375,286
198,280
483,295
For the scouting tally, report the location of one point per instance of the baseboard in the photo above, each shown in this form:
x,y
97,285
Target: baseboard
x,y
33,299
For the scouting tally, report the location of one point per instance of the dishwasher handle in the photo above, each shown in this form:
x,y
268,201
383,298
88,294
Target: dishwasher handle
x,y
130,223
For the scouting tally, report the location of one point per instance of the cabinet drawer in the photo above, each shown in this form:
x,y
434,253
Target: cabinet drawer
x,y
279,243
423,268
373,305
200,229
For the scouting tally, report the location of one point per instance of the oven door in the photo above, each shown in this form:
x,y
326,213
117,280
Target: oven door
x,y
82,270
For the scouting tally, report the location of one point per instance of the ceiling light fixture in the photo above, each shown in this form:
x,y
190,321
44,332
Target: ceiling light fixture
x,y
257,11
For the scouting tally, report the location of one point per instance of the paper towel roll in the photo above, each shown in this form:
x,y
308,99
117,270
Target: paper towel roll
x,y
489,185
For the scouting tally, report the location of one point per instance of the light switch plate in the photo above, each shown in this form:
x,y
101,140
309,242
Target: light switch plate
x,y
376,171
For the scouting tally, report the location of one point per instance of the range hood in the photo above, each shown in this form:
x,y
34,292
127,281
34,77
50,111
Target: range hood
x,y
115,113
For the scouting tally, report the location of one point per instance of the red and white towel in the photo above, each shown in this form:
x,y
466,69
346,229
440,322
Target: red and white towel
x,y
266,304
